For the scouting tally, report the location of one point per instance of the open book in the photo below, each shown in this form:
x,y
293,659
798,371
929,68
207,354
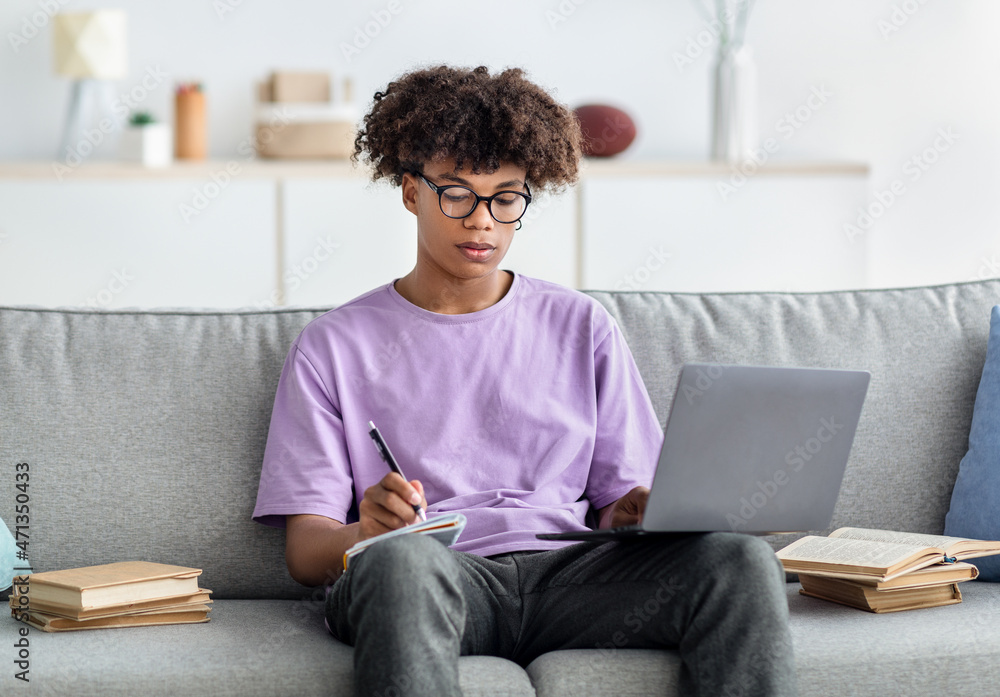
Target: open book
x,y
877,555
444,528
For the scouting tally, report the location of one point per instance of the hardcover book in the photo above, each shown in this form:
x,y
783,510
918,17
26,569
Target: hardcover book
x,y
870,598
184,615
112,584
78,613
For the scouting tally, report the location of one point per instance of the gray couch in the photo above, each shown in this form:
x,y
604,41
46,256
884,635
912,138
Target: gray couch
x,y
144,432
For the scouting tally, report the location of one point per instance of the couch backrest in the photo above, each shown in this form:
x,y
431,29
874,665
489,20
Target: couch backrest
x,y
144,433
925,348
144,430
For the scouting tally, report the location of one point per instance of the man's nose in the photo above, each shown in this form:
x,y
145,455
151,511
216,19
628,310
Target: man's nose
x,y
480,217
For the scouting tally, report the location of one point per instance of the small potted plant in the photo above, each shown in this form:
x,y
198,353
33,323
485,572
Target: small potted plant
x,y
147,141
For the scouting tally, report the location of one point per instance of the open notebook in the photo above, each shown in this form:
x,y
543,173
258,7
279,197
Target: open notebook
x,y
444,528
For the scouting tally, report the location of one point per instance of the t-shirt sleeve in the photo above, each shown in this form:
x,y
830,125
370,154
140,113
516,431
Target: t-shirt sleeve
x,y
306,466
629,436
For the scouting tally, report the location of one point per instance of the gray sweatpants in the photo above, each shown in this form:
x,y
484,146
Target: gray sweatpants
x,y
410,606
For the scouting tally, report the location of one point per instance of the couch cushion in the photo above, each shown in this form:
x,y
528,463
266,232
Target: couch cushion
x,y
975,500
838,651
600,672
924,347
944,650
250,647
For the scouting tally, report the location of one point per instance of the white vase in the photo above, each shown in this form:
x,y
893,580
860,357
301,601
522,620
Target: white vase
x,y
734,113
150,145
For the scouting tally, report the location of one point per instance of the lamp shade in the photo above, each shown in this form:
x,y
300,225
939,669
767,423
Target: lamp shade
x,y
91,44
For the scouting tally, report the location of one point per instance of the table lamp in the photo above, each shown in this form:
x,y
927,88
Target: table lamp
x,y
89,47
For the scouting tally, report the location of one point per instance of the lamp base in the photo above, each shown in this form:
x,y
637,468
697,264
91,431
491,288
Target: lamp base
x,y
90,121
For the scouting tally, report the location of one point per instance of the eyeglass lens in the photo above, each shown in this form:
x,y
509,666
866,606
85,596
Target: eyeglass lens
x,y
458,202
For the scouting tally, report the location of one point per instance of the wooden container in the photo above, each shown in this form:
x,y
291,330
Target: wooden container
x,y
190,125
319,140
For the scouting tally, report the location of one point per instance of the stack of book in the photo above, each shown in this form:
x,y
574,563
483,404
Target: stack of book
x,y
882,570
123,594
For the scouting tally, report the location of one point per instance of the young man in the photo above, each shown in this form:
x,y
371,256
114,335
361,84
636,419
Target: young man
x,y
512,400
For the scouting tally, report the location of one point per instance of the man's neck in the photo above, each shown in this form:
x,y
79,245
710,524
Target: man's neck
x,y
454,297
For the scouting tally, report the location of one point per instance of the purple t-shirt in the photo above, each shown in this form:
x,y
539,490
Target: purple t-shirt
x,y
519,416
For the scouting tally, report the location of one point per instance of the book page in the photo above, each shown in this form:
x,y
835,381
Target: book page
x,y
904,538
835,550
445,521
445,528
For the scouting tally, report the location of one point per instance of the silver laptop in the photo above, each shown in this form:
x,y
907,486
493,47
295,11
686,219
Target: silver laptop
x,y
750,449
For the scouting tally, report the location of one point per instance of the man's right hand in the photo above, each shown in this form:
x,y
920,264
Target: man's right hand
x,y
388,505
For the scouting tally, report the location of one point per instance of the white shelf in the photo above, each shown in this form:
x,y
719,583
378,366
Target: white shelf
x,y
292,169
674,168
243,167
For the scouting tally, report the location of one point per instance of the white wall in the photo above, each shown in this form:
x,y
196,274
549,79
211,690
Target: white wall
x,y
891,92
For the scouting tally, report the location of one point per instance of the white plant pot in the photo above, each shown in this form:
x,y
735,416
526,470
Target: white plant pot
x,y
734,113
150,145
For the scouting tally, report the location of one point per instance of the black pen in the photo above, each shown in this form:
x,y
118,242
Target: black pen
x,y
383,450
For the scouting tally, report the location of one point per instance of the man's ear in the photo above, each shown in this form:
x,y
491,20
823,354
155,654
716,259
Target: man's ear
x,y
409,189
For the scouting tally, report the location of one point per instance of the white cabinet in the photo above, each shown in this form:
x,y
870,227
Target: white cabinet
x,y
777,232
123,243
319,234
341,238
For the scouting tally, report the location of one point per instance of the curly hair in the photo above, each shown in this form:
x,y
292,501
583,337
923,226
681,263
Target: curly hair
x,y
479,119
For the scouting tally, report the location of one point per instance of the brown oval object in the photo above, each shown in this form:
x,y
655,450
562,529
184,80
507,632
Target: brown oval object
x,y
606,130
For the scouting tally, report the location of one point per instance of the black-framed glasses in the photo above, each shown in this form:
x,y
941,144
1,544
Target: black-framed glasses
x,y
459,201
